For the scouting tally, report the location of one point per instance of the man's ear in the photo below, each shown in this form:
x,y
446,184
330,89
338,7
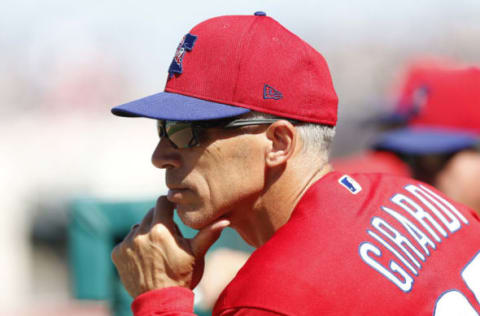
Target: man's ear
x,y
283,137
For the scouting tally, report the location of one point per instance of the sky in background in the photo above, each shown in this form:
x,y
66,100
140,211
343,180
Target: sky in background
x,y
141,36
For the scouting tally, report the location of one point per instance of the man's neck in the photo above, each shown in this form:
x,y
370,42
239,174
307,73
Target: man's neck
x,y
274,208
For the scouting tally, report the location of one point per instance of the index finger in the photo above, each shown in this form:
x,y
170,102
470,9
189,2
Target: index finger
x,y
144,226
163,213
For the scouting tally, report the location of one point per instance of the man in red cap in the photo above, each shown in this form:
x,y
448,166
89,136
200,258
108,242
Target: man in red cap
x,y
245,124
437,134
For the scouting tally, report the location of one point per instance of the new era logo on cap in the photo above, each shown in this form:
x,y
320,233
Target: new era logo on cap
x,y
270,93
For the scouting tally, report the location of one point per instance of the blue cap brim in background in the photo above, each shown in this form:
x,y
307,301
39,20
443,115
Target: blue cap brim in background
x,y
423,141
177,107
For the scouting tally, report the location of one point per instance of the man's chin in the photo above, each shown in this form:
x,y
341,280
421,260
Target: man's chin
x,y
191,217
195,217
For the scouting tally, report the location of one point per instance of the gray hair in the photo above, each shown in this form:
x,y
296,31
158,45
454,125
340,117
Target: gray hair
x,y
317,138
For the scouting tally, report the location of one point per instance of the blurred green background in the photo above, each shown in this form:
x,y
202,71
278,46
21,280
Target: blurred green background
x,y
94,228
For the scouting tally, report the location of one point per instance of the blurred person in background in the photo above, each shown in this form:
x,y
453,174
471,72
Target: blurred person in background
x,y
433,134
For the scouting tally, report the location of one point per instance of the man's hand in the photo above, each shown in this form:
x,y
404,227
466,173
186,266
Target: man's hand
x,y
155,255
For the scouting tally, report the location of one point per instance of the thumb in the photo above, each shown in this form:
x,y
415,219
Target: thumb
x,y
206,237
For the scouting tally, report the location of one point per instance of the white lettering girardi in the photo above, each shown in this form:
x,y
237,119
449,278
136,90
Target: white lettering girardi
x,y
427,211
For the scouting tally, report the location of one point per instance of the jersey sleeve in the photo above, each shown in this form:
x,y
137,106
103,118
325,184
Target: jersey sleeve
x,y
170,301
247,311
178,301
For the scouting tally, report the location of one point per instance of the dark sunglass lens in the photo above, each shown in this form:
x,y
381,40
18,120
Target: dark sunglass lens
x,y
161,128
181,134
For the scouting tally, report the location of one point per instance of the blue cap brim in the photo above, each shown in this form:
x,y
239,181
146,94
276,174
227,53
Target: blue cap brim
x,y
177,107
422,141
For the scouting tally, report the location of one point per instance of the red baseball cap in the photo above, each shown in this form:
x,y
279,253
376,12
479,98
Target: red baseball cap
x,y
229,65
440,108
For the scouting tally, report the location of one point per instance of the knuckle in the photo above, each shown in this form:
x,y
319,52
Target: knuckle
x,y
138,241
159,232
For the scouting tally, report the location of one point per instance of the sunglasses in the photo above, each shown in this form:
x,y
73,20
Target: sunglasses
x,y
187,134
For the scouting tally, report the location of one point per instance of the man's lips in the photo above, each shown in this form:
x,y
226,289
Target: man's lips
x,y
176,195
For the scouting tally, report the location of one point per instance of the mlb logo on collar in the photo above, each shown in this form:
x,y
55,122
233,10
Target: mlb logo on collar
x,y
350,184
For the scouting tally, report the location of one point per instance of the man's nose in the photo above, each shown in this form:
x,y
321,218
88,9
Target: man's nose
x,y
165,155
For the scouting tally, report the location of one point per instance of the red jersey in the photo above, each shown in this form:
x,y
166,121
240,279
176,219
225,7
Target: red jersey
x,y
359,244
